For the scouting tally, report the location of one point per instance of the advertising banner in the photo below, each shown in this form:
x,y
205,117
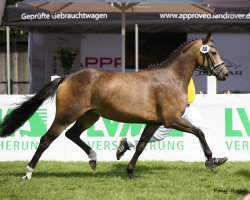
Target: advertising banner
x,y
86,15
227,115
101,51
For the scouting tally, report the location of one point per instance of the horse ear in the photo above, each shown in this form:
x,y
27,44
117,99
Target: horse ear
x,y
209,37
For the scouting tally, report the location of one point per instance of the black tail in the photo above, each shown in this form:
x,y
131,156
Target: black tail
x,y
23,112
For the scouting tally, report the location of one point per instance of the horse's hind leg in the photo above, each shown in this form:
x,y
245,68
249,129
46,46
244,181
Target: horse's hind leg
x,y
53,132
83,123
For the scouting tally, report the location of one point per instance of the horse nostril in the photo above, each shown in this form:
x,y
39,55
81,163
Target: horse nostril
x,y
226,75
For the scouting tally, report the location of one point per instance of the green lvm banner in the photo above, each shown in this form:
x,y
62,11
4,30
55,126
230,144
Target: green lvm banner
x,y
237,135
228,117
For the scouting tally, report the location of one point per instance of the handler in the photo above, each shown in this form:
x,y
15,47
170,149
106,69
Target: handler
x,y
191,115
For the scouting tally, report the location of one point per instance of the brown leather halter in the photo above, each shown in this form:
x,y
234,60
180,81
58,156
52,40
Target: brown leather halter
x,y
214,69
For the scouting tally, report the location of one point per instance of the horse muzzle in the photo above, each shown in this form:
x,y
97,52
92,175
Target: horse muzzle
x,y
223,78
220,71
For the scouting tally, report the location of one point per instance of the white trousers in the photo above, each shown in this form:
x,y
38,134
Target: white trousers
x,y
191,115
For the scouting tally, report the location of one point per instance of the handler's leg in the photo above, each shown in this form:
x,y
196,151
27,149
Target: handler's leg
x,y
160,134
192,116
127,143
145,137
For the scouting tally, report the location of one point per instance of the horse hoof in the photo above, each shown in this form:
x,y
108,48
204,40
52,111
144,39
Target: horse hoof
x,y
130,175
25,178
28,174
92,164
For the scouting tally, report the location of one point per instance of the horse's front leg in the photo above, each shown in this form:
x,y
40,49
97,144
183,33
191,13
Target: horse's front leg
x,y
184,126
145,137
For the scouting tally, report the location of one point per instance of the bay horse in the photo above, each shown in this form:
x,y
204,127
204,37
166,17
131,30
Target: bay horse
x,y
155,96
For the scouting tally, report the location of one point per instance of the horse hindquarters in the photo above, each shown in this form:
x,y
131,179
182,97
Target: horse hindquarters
x,y
70,105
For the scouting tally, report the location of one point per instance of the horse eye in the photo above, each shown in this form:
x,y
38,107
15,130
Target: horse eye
x,y
214,53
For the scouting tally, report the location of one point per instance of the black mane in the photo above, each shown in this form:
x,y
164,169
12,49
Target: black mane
x,y
172,55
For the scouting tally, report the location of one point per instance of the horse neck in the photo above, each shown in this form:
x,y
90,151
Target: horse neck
x,y
184,64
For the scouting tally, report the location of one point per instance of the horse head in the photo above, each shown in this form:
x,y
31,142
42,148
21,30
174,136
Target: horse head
x,y
209,60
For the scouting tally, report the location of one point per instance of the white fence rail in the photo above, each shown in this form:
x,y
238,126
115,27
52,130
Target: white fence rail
x,y
228,117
